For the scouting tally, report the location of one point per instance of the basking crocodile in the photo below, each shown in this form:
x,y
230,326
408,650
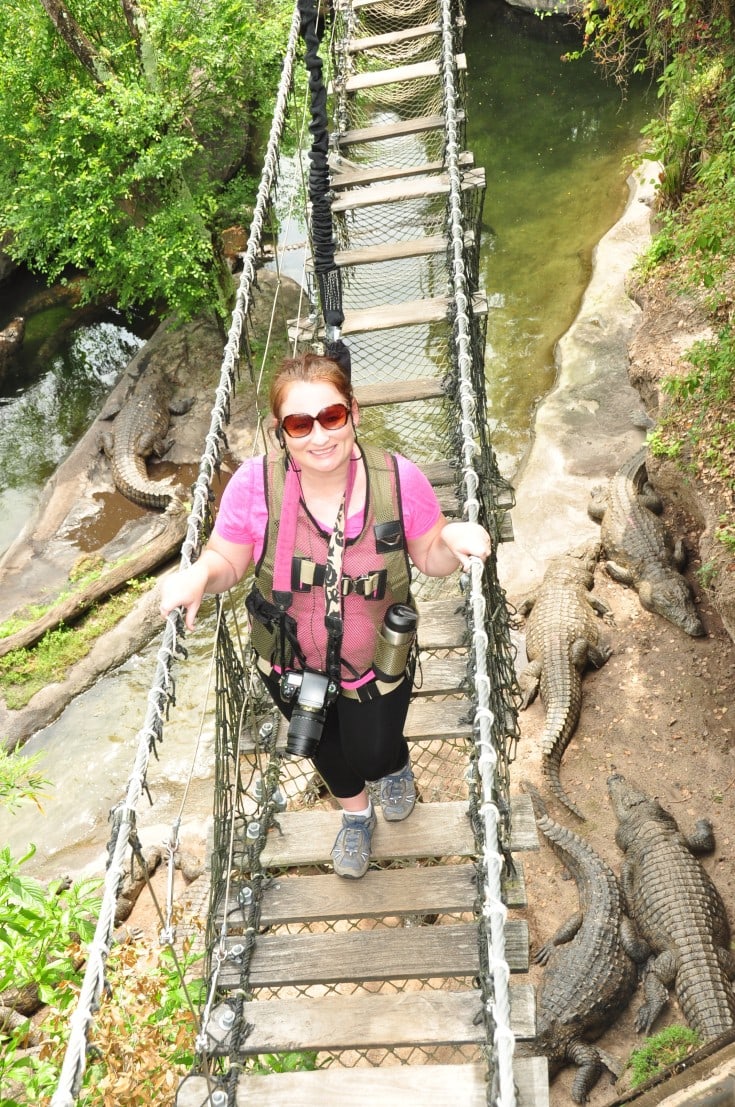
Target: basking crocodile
x,y
637,548
677,911
138,432
562,637
590,970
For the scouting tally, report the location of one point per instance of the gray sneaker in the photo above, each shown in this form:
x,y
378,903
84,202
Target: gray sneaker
x,y
398,794
351,849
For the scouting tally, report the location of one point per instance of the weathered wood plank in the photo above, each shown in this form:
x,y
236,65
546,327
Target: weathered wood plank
x,y
524,834
409,1085
399,392
397,251
396,129
442,675
382,893
440,472
424,1018
411,313
434,830
344,175
392,38
393,192
378,78
357,956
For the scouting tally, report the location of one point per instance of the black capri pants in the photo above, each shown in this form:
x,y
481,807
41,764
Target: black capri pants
x,y
361,741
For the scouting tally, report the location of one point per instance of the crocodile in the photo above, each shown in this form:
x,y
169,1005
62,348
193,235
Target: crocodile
x,y
139,431
562,637
638,550
677,911
591,971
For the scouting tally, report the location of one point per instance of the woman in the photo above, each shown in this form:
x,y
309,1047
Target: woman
x,y
330,524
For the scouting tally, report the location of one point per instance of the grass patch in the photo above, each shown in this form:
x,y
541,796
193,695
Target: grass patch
x,y
24,672
671,1045
89,570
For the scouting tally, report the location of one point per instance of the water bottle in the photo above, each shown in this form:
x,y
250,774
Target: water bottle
x,y
395,639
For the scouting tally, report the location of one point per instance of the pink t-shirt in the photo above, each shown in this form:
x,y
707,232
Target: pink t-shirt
x,y
243,516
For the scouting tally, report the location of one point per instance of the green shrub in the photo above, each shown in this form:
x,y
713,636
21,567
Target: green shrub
x,y
672,1044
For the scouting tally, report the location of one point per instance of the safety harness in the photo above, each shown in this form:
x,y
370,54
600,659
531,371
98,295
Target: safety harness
x,y
286,575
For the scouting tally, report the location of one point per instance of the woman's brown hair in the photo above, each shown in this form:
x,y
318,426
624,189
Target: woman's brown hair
x,y
307,367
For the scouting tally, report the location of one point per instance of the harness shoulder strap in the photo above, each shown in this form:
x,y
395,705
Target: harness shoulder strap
x,y
385,491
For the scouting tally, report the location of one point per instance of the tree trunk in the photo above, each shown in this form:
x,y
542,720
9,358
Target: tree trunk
x,y
69,30
154,554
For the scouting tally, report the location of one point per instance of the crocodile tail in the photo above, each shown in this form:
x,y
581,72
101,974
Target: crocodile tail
x,y
550,765
567,845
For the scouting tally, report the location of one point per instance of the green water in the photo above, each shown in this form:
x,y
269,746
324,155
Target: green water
x,y
553,137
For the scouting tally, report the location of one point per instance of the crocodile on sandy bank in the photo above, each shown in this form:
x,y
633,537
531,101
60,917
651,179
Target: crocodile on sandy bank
x,y
139,432
562,638
590,971
637,547
677,911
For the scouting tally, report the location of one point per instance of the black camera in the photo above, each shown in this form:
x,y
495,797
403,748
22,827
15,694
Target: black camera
x,y
313,693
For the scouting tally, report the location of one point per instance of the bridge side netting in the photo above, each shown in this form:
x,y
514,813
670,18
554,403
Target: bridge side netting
x,y
255,784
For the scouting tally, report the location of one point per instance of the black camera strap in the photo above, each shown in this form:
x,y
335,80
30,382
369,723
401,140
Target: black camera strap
x,y
333,620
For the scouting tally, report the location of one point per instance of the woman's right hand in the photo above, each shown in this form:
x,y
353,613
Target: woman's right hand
x,y
184,588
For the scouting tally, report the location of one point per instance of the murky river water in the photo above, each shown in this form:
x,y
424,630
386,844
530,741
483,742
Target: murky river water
x,y
552,137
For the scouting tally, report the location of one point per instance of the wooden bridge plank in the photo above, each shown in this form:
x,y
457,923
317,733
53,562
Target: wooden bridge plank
x,y
378,78
441,675
440,472
427,721
357,956
398,128
424,1018
409,1085
411,313
392,38
398,251
382,893
345,175
392,192
434,830
399,392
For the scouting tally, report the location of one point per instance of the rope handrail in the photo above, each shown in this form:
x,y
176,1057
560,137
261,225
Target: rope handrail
x,y
161,691
502,1087
483,643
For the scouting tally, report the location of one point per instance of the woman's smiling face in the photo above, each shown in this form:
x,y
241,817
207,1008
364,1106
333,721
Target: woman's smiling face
x,y
320,450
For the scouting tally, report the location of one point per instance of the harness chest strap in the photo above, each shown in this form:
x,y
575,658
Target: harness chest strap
x,y
281,573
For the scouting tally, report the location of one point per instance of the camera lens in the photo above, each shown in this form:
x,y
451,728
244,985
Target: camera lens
x,y
304,732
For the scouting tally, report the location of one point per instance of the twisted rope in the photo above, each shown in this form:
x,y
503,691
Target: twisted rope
x,y
161,694
494,911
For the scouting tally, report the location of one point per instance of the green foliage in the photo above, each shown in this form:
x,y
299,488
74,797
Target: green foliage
x,y
725,533
672,1044
41,931
19,779
113,164
285,1062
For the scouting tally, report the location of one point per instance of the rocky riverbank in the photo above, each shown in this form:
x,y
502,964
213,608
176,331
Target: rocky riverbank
x,y
661,709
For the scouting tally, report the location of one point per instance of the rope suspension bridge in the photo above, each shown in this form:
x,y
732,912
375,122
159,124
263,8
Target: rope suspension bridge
x,y
398,985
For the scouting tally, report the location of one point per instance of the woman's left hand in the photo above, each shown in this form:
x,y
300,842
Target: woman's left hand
x,y
466,540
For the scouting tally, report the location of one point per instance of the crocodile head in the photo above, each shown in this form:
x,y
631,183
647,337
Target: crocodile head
x,y
624,797
672,599
588,554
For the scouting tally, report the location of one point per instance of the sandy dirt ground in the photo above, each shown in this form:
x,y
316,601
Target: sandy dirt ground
x,y
661,711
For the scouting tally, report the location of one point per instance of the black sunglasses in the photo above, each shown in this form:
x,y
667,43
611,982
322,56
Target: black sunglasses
x,y
332,418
